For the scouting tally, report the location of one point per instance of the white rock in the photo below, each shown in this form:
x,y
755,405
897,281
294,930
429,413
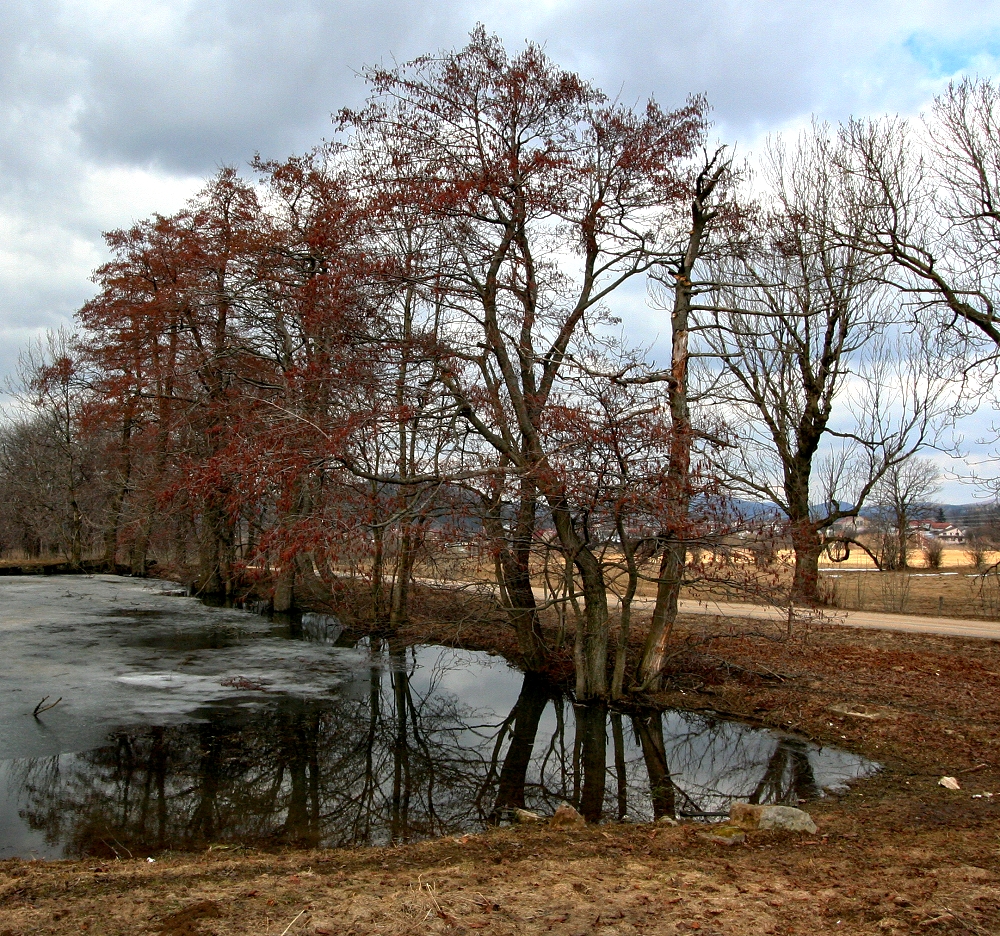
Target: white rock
x,y
776,818
786,819
526,815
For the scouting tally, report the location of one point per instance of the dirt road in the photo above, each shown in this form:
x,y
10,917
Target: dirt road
x,y
908,623
916,624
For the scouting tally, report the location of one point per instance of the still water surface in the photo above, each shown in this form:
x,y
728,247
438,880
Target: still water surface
x,y
182,725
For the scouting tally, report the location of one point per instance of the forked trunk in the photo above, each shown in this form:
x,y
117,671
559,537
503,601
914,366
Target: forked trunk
x,y
591,650
399,610
215,551
514,582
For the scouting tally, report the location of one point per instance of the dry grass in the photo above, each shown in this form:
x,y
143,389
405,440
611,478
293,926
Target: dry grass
x,y
616,881
956,591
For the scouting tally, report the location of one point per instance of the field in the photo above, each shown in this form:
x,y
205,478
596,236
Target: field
x,y
898,854
957,589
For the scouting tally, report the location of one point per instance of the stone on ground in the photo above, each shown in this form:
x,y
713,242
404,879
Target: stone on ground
x,y
724,835
775,818
566,817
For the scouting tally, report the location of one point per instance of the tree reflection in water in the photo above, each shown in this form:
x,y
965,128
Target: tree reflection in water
x,y
396,763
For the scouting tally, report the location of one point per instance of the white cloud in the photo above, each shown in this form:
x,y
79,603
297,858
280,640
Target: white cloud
x,y
111,109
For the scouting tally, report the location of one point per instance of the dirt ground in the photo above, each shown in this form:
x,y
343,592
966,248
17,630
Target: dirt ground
x,y
898,854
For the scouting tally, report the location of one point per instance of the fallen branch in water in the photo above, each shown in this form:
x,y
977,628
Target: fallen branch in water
x,y
42,707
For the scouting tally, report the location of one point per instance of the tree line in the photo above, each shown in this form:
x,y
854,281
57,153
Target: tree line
x,y
403,346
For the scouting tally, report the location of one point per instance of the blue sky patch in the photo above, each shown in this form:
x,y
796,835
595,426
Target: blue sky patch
x,y
944,59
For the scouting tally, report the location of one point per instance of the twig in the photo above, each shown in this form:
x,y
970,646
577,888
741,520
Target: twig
x,y
42,707
290,925
118,856
764,673
948,911
123,847
437,906
972,769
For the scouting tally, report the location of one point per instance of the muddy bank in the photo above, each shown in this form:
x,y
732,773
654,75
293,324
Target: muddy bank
x,y
62,567
890,874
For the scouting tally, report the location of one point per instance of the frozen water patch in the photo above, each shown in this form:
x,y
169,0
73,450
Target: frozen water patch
x,y
129,651
245,730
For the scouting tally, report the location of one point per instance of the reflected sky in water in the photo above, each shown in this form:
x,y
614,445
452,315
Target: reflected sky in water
x,y
183,725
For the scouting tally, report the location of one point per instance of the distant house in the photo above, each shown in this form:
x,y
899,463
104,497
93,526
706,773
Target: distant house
x,y
850,527
939,530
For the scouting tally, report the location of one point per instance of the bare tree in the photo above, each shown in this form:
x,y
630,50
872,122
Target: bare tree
x,y
546,199
710,207
811,360
50,470
902,495
928,199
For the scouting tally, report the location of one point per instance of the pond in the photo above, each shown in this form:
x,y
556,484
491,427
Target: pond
x,y
182,725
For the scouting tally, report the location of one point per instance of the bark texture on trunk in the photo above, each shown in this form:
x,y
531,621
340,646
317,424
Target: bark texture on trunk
x,y
514,570
591,649
805,580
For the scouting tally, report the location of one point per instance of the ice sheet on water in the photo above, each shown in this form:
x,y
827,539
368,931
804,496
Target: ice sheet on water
x,y
121,650
201,696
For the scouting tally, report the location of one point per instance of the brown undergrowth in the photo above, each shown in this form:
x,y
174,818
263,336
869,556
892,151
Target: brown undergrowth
x,y
854,877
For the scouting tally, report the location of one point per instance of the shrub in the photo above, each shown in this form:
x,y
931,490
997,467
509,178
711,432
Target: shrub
x,y
933,550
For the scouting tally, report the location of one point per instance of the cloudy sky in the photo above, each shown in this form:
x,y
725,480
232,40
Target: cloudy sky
x,y
113,109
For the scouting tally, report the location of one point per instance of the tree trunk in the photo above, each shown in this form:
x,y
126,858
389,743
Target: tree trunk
x,y
671,576
514,585
591,651
284,588
378,575
399,610
216,551
76,532
805,581
138,554
668,588
805,537
621,651
118,500
903,546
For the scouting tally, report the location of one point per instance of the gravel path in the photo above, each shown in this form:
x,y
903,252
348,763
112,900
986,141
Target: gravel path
x,y
918,624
